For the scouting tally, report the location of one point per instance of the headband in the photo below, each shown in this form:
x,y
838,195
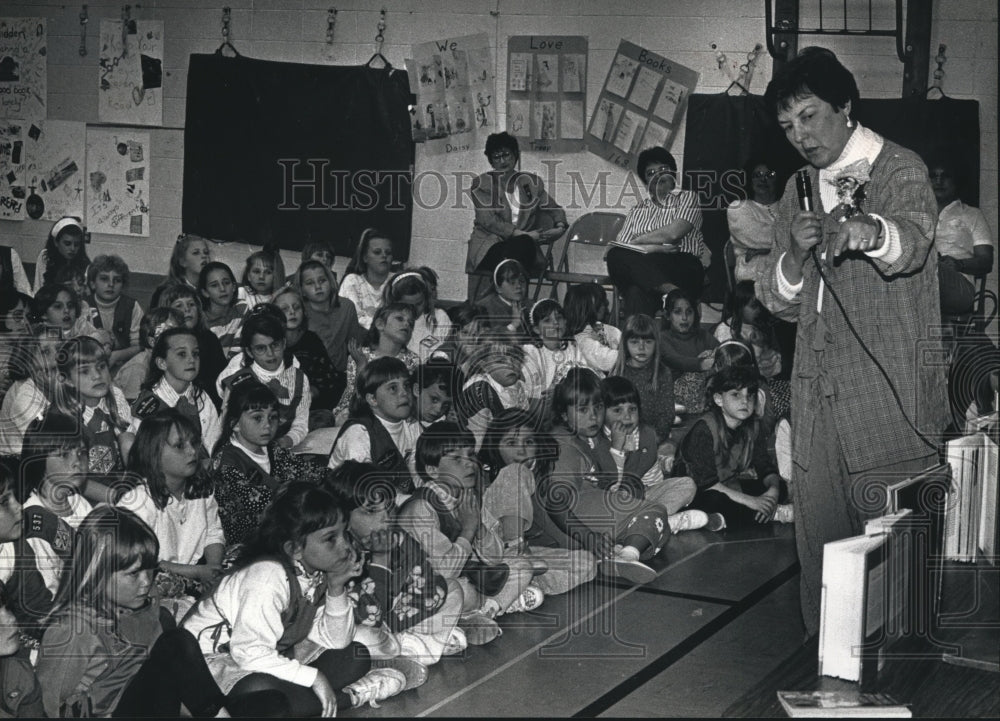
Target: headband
x,y
733,341
534,308
407,274
64,223
496,271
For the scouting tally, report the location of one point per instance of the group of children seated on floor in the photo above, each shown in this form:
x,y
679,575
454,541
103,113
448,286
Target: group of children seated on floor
x,y
169,536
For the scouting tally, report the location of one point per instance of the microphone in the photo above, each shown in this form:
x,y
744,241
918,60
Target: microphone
x,y
804,185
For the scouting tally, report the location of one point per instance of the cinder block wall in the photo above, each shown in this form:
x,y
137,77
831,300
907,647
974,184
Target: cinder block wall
x,y
295,31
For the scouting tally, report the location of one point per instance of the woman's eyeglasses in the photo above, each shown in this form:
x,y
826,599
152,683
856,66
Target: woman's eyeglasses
x,y
764,175
501,155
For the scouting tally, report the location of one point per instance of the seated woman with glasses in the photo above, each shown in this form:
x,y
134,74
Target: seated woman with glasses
x,y
751,221
665,228
513,212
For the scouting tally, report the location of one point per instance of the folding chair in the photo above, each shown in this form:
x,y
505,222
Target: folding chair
x,y
587,239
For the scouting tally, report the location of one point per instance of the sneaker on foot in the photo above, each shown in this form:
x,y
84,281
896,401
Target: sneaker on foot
x,y
479,629
376,685
414,671
530,599
716,522
456,644
625,564
688,520
784,513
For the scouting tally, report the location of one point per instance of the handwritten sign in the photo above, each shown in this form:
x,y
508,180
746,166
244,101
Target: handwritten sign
x,y
12,191
131,72
455,93
23,68
118,182
641,106
55,151
547,91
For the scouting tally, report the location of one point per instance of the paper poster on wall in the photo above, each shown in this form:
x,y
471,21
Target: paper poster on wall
x,y
23,74
454,89
118,181
546,88
131,72
641,106
54,160
13,192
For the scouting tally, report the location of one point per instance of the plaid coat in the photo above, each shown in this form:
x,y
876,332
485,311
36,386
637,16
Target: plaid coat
x,y
494,220
894,308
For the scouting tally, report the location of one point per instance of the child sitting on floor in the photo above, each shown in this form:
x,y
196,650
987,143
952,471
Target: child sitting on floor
x,y
686,348
444,516
111,309
265,357
400,600
510,507
726,453
605,511
379,429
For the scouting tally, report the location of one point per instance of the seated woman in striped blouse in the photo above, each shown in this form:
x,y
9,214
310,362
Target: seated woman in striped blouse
x,y
666,230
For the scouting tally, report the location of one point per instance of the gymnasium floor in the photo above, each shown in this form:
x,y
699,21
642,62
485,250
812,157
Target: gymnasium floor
x,y
722,614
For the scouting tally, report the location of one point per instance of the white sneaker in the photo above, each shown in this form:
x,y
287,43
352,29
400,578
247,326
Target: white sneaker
x,y
784,513
530,599
413,671
456,644
688,520
376,685
625,564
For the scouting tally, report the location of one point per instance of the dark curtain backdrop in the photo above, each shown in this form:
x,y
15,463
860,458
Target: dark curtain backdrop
x,y
725,132
244,116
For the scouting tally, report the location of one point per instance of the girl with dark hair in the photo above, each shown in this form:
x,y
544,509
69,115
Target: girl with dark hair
x,y
876,251
431,325
223,312
248,467
52,470
513,212
551,351
64,256
686,348
726,453
586,312
289,586
106,651
174,498
266,358
511,455
171,383
187,302
367,273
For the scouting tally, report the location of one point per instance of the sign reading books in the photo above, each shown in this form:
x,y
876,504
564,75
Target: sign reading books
x,y
455,94
23,68
547,91
641,106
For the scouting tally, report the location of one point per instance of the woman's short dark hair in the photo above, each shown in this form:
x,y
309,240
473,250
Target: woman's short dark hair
x,y
501,141
815,71
654,155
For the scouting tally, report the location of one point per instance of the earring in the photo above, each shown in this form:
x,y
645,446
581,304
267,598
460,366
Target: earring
x,y
850,123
